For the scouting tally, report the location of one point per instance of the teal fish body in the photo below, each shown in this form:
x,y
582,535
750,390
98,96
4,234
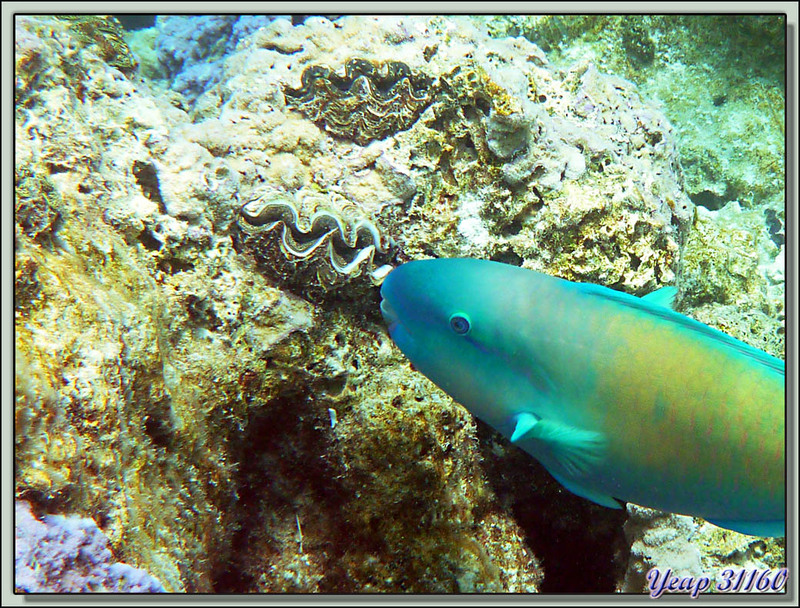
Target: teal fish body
x,y
620,398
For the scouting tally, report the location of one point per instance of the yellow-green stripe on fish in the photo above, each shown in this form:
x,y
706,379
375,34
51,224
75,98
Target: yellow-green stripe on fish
x,y
620,398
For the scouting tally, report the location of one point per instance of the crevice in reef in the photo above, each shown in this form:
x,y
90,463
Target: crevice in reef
x,y
577,542
284,475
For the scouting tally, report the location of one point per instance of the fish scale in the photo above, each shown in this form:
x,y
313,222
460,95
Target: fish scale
x,y
620,398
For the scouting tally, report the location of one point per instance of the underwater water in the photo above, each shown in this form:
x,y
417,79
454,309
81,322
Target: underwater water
x,y
206,208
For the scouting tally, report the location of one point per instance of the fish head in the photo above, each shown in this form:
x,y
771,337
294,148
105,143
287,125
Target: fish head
x,y
456,321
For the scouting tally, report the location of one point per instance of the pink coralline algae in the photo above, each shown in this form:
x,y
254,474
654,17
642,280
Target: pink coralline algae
x,y
70,554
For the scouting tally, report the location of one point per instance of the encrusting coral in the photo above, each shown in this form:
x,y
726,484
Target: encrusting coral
x,y
58,554
689,547
201,365
720,85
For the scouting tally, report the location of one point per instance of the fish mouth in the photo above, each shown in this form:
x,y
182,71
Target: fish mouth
x,y
389,315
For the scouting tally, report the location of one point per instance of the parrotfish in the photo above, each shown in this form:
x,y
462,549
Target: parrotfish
x,y
620,398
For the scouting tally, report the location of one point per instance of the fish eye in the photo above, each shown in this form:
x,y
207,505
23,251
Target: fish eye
x,y
459,323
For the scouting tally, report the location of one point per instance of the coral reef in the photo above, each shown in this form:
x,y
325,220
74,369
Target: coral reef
x,y
508,160
58,554
232,414
190,49
690,547
721,87
389,498
732,276
107,415
185,371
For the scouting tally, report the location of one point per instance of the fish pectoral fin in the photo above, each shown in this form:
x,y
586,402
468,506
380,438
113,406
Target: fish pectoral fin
x,y
570,449
605,500
753,528
524,424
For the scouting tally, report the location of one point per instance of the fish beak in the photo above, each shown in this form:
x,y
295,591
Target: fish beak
x,y
389,315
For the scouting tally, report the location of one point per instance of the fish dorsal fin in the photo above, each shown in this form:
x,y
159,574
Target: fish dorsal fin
x,y
570,449
702,330
664,297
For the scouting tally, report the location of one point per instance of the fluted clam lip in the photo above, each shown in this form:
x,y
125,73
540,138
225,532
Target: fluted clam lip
x,y
369,102
252,208
339,239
